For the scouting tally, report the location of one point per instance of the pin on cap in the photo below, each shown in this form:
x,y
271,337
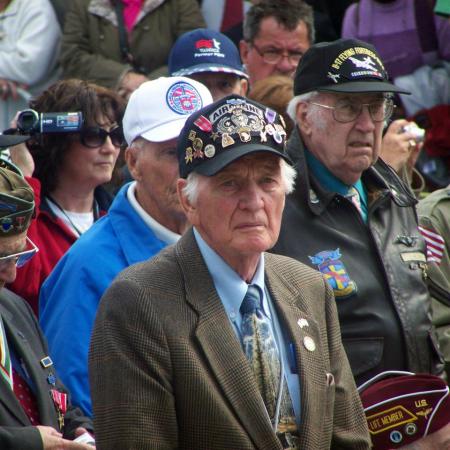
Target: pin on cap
x,y
403,407
226,130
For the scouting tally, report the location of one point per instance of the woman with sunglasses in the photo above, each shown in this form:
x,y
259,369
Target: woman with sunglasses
x,y
69,171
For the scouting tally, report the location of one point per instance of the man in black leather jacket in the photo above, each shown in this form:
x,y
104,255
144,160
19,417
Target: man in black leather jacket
x,y
351,217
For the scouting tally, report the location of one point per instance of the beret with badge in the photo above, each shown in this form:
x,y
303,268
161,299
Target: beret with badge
x,y
16,200
402,407
344,65
226,130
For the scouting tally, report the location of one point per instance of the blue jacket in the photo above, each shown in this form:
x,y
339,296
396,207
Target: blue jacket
x,y
70,296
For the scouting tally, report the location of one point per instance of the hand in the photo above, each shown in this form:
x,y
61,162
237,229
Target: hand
x,y
20,155
52,440
8,88
129,83
400,149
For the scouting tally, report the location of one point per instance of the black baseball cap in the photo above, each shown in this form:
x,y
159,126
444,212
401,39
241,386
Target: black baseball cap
x,y
344,65
226,130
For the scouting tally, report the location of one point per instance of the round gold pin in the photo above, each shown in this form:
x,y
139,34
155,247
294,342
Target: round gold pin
x,y
309,343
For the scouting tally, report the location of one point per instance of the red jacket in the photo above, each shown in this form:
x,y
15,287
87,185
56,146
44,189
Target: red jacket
x,y
53,238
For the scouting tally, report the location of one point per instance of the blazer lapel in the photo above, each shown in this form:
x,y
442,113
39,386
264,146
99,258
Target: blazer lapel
x,y
222,349
305,334
7,396
24,351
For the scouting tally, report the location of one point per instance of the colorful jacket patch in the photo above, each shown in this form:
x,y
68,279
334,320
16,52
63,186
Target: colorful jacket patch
x,y
332,268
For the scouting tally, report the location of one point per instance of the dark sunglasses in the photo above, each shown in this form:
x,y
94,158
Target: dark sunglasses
x,y
94,137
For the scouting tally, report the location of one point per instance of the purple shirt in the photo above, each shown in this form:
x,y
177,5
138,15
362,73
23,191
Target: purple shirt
x,y
391,28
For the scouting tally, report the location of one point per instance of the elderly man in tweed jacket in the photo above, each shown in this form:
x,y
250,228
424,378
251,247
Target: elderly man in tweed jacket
x,y
170,363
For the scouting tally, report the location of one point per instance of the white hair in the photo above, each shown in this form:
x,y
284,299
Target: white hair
x,y
292,106
191,189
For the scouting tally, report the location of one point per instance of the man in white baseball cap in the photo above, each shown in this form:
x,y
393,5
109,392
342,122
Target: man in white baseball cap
x,y
144,217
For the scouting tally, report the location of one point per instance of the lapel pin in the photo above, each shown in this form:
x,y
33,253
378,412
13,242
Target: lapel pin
x,y
302,323
46,362
309,343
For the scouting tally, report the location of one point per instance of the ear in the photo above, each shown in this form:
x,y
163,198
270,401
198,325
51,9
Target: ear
x,y
303,121
131,158
243,50
244,87
189,209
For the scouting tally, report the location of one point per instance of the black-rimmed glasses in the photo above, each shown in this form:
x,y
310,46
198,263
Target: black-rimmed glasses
x,y
345,112
94,137
273,56
21,258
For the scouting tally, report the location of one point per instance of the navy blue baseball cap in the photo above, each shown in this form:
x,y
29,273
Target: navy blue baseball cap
x,y
204,50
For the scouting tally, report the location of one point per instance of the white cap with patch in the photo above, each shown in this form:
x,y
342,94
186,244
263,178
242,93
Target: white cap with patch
x,y
157,110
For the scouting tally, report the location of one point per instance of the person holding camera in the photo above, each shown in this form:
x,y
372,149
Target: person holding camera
x,y
66,172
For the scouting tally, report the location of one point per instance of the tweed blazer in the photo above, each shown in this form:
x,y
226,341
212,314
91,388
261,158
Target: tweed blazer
x,y
23,332
168,372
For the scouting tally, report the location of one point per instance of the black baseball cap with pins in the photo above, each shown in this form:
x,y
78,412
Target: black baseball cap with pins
x,y
227,130
344,65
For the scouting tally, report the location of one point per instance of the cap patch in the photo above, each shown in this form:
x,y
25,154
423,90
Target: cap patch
x,y
333,269
208,47
183,98
355,63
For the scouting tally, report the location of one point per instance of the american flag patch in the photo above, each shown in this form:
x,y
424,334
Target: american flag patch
x,y
435,245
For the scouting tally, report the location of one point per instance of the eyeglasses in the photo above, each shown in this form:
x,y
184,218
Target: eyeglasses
x,y
345,112
273,56
21,258
94,137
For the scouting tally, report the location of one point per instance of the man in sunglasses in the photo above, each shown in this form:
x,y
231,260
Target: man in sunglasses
x,y
144,217
35,412
350,215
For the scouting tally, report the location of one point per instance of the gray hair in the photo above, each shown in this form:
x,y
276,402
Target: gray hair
x,y
293,103
138,143
287,13
191,189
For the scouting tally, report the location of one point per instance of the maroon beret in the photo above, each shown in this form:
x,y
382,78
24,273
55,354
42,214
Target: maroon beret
x,y
404,407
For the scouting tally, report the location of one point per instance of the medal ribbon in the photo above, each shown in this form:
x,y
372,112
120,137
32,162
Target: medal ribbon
x,y
5,360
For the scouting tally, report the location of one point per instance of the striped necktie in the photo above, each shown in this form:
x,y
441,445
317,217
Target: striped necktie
x,y
5,360
261,351
353,196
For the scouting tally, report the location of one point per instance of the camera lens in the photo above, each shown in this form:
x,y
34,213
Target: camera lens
x,y
28,121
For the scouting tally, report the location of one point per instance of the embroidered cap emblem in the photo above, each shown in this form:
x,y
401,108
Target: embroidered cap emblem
x,y
183,98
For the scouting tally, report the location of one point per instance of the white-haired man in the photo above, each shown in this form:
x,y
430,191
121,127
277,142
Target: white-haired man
x,y
352,218
215,344
144,217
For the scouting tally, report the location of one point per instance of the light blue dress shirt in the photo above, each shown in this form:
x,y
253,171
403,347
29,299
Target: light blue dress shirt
x,y
231,289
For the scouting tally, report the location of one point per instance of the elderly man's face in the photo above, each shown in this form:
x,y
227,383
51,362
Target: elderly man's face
x,y
154,165
272,39
8,246
238,211
346,149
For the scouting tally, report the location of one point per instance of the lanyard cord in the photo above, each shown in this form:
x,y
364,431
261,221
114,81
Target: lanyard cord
x,y
95,213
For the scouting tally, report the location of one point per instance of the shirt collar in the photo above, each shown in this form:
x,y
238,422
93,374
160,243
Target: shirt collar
x,y
161,232
229,285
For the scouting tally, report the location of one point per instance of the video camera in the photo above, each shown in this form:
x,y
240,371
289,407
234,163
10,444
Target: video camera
x,y
32,122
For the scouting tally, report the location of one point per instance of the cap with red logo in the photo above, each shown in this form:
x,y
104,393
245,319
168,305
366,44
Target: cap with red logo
x,y
204,50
